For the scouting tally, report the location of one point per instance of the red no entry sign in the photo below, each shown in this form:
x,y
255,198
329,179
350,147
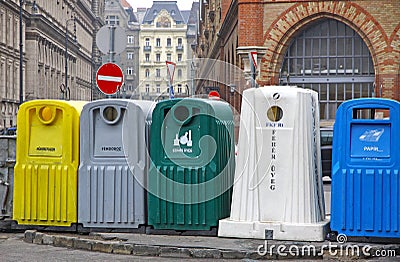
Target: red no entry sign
x,y
109,78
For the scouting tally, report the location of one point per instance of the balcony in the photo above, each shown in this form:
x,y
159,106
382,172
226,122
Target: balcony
x,y
147,48
147,63
179,48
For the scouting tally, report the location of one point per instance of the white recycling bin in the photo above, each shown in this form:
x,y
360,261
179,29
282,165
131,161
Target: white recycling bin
x,y
278,190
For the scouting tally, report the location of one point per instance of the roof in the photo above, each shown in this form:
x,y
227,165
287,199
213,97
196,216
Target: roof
x,y
186,15
141,12
170,6
132,16
193,13
125,4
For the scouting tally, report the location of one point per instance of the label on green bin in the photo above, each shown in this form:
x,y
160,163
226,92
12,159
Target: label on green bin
x,y
182,143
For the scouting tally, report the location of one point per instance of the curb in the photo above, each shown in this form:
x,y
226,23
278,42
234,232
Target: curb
x,y
97,242
120,247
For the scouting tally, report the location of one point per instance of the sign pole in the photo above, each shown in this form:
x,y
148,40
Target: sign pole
x,y
112,43
253,68
171,70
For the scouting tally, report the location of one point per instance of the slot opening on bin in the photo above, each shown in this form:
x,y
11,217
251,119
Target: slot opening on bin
x,y
274,113
371,113
111,114
181,114
46,115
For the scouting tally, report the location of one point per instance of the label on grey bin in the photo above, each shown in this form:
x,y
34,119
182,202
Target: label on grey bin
x,y
109,151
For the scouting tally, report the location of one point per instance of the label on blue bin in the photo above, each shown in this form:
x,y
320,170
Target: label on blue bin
x,y
370,141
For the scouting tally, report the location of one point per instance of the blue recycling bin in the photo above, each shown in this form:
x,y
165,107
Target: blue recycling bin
x,y
365,169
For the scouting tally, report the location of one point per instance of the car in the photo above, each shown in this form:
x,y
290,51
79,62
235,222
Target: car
x,y
326,134
11,131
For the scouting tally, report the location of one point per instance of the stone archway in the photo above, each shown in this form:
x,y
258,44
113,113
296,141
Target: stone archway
x,y
283,29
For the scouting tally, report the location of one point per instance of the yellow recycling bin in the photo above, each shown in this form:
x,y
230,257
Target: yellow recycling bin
x,y
45,174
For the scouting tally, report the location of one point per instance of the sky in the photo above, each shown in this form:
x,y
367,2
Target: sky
x,y
182,4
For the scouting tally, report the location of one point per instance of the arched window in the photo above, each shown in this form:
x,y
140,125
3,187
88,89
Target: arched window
x,y
332,59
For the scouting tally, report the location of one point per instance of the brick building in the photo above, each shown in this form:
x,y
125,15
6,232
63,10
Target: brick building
x,y
341,49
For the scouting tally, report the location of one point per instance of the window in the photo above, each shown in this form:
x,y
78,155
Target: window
x,y
147,88
158,57
179,41
147,57
130,39
129,71
147,41
179,57
168,57
158,72
168,42
130,87
158,88
112,20
179,73
147,73
330,58
179,89
158,42
129,56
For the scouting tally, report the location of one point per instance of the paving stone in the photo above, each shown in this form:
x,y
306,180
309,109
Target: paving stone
x,y
84,244
29,235
38,238
48,240
205,253
233,254
102,246
63,241
121,248
143,250
174,252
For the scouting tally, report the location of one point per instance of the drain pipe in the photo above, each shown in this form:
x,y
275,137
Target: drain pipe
x,y
5,195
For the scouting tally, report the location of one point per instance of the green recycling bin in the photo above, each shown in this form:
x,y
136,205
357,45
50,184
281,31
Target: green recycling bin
x,y
192,164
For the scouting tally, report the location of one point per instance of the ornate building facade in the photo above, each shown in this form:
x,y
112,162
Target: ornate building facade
x,y
342,49
58,51
163,37
120,13
9,62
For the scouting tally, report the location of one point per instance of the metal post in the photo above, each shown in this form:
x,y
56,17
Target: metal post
x,y
112,39
253,74
21,59
192,74
67,91
171,90
66,55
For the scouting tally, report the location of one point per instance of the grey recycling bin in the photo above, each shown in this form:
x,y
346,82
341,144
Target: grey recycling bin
x,y
114,162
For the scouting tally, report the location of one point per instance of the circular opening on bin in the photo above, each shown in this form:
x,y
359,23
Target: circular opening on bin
x,y
275,113
110,114
181,113
46,113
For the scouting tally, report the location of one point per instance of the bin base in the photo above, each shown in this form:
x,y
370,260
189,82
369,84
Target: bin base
x,y
270,230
